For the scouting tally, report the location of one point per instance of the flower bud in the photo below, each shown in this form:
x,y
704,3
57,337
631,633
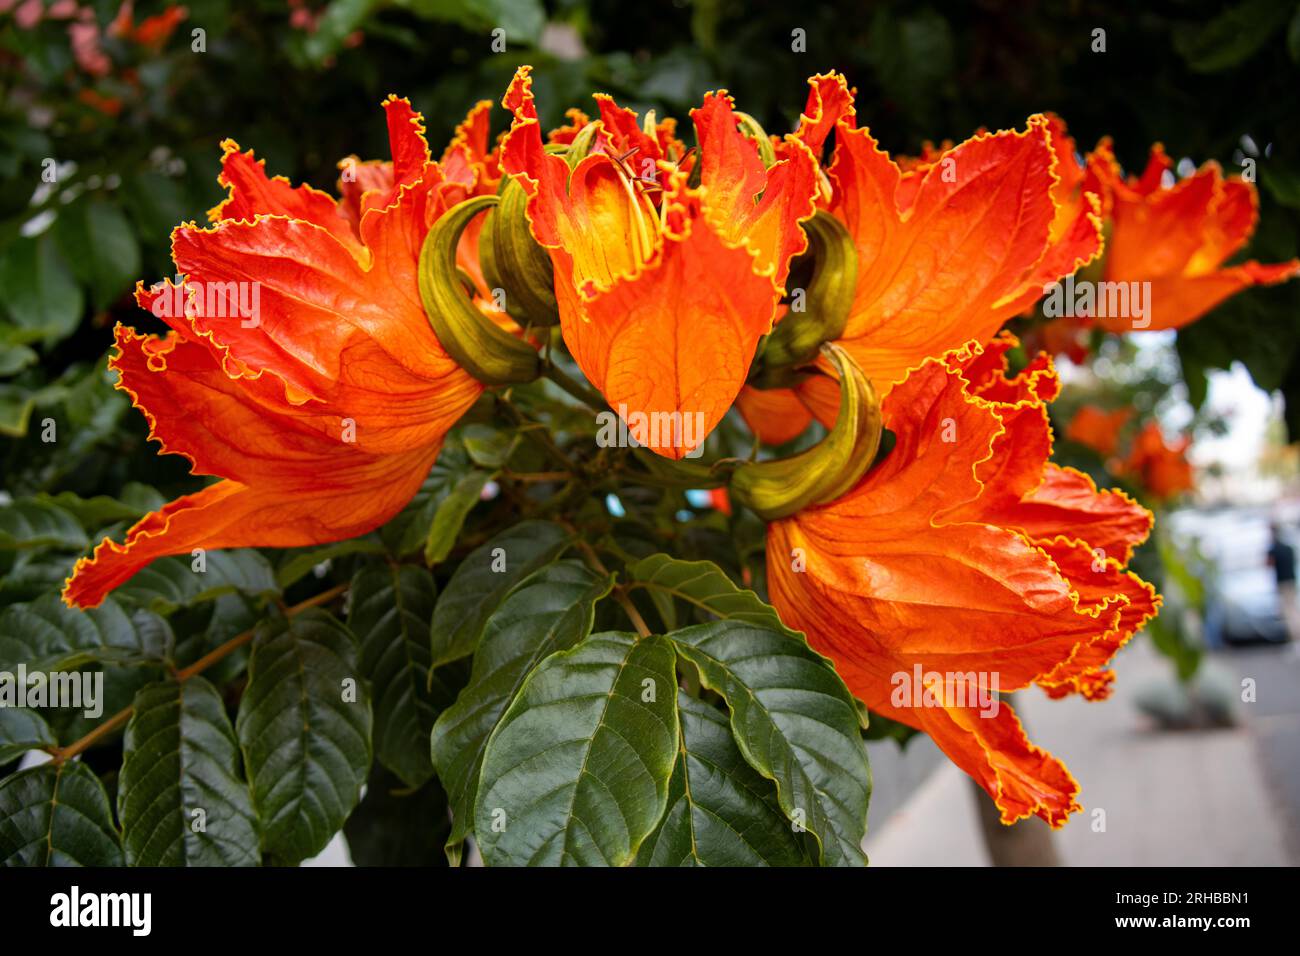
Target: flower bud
x,y
827,300
479,345
779,488
514,261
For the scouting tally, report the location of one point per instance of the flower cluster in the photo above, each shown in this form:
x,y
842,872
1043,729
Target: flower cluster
x,y
927,533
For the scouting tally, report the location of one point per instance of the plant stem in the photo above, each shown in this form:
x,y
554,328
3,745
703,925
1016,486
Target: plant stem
x,y
62,754
619,592
583,393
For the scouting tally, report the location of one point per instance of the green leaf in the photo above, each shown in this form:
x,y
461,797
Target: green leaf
x,y
1231,37
47,635
92,513
550,611
37,524
795,723
1293,37
705,586
408,532
451,514
306,748
577,771
721,812
302,561
390,611
172,582
394,826
14,358
180,796
22,729
101,248
482,581
522,20
56,815
489,447
41,294
16,404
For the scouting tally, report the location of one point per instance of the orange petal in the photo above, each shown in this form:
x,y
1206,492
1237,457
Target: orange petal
x,y
968,253
350,496
252,194
750,204
670,347
774,415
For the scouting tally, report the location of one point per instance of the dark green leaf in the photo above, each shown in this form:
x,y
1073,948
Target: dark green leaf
x,y
101,247
484,578
175,581
795,723
181,797
304,726
47,635
720,811
1231,37
390,611
37,524
550,611
703,585
22,729
451,514
41,295
301,562
394,826
577,771
56,815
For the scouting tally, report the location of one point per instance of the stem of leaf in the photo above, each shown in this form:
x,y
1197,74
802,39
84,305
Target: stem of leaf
x,y
619,592
61,754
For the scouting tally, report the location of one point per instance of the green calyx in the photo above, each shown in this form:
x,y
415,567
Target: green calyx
x,y
754,130
481,347
513,261
778,489
820,312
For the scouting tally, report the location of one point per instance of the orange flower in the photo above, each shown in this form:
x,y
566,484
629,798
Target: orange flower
x,y
1162,469
1175,235
966,561
1096,429
301,367
951,248
664,289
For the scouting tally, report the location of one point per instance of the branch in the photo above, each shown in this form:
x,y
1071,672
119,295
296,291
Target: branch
x,y
62,754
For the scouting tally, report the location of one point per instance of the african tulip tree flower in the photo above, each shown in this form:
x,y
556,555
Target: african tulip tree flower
x,y
950,245
963,553
1097,429
664,289
1161,468
950,249
1178,238
1174,235
322,409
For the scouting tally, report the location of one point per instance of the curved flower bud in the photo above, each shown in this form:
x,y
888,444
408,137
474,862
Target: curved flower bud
x,y
514,262
823,308
480,346
778,488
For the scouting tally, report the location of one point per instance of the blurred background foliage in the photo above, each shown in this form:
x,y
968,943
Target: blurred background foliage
x,y
123,107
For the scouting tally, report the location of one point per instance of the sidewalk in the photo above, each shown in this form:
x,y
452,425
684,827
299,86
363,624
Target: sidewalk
x,y
1183,798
